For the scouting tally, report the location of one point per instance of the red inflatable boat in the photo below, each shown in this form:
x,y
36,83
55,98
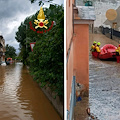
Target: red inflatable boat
x,y
107,51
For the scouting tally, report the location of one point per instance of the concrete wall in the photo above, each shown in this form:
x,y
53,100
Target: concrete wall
x,y
57,103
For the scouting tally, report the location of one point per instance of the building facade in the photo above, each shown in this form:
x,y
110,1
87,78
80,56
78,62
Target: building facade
x,y
77,52
2,49
101,13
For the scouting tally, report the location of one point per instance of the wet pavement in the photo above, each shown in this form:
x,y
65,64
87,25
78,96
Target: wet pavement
x,y
104,86
21,98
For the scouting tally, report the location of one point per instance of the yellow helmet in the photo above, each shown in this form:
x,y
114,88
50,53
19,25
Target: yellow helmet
x,y
98,43
94,42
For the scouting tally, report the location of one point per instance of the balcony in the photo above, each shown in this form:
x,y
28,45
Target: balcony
x,y
1,49
85,10
2,43
84,15
1,54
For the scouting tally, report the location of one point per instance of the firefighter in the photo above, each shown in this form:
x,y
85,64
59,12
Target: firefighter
x,y
98,47
93,46
118,50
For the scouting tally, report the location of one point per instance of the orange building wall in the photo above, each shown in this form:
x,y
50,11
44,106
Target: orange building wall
x,y
81,53
69,34
69,24
78,60
69,76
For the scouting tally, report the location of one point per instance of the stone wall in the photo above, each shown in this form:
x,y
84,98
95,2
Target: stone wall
x,y
56,101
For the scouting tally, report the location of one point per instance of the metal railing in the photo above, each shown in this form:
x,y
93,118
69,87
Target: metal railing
x,y
70,114
110,32
116,33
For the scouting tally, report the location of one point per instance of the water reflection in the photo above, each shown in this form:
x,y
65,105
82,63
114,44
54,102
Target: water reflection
x,y
21,98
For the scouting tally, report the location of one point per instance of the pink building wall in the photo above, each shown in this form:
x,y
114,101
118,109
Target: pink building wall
x,y
77,51
69,34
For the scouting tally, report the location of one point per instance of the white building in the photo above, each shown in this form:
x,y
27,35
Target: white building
x,y
2,49
101,6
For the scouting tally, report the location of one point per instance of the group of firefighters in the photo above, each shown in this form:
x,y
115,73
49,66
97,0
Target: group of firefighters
x,y
96,48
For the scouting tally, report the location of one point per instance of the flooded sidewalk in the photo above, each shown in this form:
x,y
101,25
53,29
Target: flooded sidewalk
x,y
21,98
104,87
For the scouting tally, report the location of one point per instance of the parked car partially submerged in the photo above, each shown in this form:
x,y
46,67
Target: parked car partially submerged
x,y
9,61
107,52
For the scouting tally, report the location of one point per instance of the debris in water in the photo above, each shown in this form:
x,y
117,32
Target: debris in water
x,y
79,99
92,116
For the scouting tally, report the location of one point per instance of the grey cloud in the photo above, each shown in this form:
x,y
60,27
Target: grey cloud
x,y
17,11
11,8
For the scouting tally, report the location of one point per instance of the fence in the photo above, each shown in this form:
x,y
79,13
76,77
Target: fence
x,y
109,32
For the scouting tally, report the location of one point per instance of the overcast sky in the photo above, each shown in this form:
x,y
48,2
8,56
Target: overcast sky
x,y
12,13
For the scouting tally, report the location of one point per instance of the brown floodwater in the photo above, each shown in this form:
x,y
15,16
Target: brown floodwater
x,y
21,98
104,84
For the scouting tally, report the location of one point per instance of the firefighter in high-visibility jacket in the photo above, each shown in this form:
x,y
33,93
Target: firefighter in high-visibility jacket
x,y
98,47
93,46
118,50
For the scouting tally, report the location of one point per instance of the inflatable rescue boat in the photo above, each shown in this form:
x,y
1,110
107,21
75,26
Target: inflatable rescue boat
x,y
107,52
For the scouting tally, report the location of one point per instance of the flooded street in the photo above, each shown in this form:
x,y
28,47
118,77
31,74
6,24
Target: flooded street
x,y
104,87
21,98
104,84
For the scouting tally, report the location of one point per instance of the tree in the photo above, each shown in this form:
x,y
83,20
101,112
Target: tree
x,y
47,67
10,52
41,1
46,62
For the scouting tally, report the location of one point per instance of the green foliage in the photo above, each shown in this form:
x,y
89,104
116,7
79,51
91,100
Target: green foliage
x,y
19,57
10,52
46,62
